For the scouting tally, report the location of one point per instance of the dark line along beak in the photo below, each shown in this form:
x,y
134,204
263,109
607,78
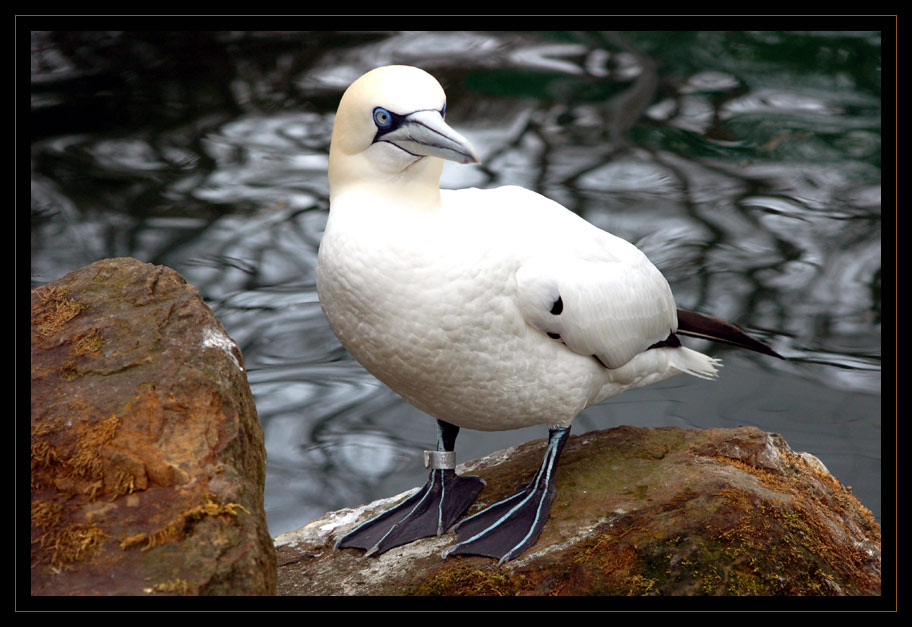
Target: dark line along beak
x,y
424,133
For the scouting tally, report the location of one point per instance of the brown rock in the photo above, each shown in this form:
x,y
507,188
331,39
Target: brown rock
x,y
147,455
638,512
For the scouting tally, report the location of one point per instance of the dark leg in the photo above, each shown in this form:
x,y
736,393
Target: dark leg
x,y
507,528
429,512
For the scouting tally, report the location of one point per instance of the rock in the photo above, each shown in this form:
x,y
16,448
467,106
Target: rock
x,y
147,455
638,511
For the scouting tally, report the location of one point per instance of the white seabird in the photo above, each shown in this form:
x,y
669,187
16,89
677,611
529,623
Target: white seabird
x,y
488,309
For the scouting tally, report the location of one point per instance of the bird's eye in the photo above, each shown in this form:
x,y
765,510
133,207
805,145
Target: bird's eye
x,y
382,117
443,111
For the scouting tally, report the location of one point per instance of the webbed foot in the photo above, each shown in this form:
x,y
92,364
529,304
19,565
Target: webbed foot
x,y
509,527
429,512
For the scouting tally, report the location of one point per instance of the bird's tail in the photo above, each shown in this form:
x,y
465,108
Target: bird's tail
x,y
697,364
652,366
697,325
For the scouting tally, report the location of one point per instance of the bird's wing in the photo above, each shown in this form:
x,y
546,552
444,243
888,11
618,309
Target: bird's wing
x,y
610,306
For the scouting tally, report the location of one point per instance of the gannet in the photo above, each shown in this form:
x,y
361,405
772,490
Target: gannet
x,y
488,309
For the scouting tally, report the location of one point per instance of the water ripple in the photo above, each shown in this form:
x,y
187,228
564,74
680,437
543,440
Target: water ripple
x,y
747,171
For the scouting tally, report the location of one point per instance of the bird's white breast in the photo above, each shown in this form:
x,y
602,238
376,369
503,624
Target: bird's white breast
x,y
426,301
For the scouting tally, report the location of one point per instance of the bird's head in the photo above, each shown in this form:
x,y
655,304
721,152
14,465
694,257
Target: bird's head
x,y
389,128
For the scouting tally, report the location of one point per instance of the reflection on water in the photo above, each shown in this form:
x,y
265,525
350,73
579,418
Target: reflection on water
x,y
746,165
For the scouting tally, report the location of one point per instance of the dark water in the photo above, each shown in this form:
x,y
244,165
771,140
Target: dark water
x,y
746,164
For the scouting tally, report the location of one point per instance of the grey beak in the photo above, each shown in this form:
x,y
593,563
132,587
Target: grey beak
x,y
425,133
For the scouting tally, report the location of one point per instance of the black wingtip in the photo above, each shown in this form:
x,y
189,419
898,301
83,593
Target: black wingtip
x,y
698,325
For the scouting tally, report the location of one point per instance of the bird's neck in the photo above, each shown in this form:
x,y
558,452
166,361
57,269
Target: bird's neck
x,y
409,196
417,189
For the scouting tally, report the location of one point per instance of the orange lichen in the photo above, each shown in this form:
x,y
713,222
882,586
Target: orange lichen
x,y
182,523
88,342
52,310
462,581
87,462
67,543
175,586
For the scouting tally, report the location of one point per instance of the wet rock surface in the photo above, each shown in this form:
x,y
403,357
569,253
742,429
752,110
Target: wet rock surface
x,y
638,511
147,457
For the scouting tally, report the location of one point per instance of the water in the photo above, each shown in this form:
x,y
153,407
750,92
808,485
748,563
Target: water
x,y
747,166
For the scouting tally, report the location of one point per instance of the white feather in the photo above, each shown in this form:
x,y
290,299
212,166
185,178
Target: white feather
x,y
448,297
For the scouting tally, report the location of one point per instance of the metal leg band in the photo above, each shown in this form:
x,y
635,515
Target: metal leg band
x,y
437,460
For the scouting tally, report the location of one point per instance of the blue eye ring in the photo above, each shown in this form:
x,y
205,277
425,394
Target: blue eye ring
x,y
443,111
382,117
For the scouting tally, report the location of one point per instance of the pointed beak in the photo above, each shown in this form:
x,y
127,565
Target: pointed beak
x,y
425,133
